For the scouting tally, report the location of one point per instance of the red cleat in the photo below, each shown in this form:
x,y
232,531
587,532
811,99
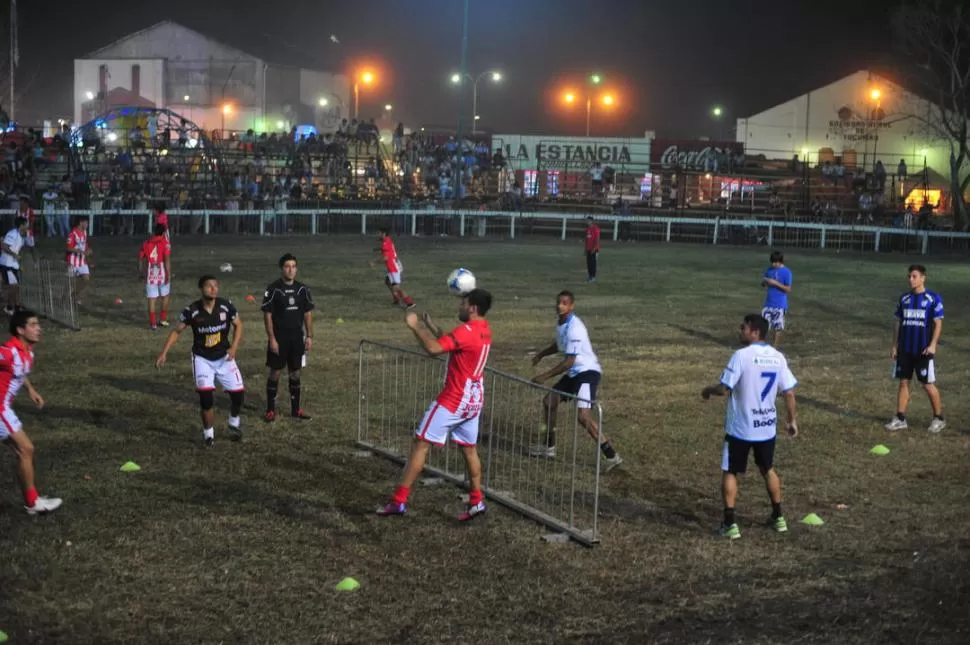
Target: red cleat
x,y
301,415
270,416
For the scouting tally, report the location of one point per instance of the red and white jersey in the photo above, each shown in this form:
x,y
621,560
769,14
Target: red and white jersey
x,y
16,360
30,216
391,260
77,241
468,346
155,251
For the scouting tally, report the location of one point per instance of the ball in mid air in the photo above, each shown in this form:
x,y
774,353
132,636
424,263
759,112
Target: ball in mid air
x,y
461,281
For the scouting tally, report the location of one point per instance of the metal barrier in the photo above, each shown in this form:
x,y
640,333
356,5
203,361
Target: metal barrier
x,y
48,289
395,387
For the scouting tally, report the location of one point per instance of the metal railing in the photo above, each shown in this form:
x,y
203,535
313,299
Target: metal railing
x,y
48,289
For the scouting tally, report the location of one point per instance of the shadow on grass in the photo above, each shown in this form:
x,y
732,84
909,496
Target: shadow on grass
x,y
167,391
706,336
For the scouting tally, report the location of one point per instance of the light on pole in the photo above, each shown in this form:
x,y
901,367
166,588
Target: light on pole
x,y
494,75
608,100
226,110
367,78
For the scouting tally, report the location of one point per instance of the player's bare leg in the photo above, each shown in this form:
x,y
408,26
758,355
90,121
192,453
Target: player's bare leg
x,y
476,503
207,403
24,448
773,486
902,398
401,296
729,495
776,338
550,407
393,289
12,297
151,313
592,427
164,318
412,470
81,284
938,422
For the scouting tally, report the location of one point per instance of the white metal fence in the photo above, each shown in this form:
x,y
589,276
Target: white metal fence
x,y
659,227
47,289
395,387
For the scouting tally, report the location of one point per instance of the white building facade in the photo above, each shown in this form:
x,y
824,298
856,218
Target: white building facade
x,y
213,85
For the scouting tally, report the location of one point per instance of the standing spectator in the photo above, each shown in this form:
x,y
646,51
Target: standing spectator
x,y
592,248
51,197
596,175
13,243
901,170
398,139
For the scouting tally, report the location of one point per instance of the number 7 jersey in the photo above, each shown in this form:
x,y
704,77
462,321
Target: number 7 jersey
x,y
755,374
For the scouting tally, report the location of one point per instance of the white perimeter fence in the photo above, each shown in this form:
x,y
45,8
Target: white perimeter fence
x,y
511,225
397,385
47,289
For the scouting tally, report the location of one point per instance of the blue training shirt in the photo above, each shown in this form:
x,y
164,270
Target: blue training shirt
x,y
917,313
775,298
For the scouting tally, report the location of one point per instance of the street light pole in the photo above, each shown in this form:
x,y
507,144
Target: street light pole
x,y
589,110
356,100
461,104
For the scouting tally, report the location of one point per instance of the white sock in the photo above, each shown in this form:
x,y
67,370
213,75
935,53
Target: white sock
x,y
234,422
209,433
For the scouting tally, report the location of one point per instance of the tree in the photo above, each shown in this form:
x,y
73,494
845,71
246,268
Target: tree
x,y
933,40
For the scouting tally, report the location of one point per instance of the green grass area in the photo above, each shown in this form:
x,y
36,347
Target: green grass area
x,y
244,543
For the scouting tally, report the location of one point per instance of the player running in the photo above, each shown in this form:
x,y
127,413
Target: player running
x,y
213,354
394,269
16,362
777,283
919,323
155,263
581,375
456,411
288,316
78,251
753,377
13,244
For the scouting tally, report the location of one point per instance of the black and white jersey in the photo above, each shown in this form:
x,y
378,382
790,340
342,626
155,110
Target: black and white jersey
x,y
287,303
210,331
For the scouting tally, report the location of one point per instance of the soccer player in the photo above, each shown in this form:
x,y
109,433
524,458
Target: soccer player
x,y
753,377
16,362
161,218
919,323
394,269
13,244
288,316
592,248
77,257
777,283
581,372
213,354
456,411
155,263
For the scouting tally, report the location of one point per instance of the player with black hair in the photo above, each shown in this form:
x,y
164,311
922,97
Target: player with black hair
x,y
394,270
288,318
213,354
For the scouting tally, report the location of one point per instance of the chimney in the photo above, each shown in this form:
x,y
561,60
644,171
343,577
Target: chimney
x,y
136,80
103,80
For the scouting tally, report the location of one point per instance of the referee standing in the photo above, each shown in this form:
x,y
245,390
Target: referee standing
x,y
288,315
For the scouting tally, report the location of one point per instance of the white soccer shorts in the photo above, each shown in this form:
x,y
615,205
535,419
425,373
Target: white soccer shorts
x,y
10,276
9,423
775,318
394,278
78,271
206,372
157,290
439,422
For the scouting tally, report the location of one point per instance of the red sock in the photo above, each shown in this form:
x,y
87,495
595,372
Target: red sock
x,y
401,495
474,497
151,318
408,300
30,496
164,314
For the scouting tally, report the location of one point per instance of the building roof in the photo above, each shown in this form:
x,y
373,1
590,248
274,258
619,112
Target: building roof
x,y
261,45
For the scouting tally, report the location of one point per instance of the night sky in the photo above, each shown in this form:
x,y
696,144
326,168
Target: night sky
x,y
668,62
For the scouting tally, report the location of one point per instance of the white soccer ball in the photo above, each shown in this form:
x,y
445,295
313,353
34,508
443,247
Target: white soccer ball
x,y
226,268
461,281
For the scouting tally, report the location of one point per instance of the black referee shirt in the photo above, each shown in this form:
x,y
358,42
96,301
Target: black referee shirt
x,y
287,303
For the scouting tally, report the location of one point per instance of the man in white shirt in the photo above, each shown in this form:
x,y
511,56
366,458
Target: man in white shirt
x,y
51,197
582,371
753,378
13,244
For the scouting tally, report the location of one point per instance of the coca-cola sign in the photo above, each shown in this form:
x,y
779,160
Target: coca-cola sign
x,y
694,155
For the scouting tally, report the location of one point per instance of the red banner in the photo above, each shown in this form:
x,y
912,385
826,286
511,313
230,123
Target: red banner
x,y
690,154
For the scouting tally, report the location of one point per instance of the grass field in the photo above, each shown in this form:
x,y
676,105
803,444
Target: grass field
x,y
244,543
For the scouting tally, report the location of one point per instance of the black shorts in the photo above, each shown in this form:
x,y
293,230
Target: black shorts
x,y
734,458
291,353
923,366
582,386
10,276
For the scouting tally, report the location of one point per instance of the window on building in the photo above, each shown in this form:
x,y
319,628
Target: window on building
x,y
552,183
530,183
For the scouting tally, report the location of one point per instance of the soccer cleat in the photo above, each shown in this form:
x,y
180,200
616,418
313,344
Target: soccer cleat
x,y
730,532
542,450
235,433
301,415
410,306
896,424
937,425
471,511
8,311
270,416
393,508
153,327
164,323
44,505
208,442
778,524
610,464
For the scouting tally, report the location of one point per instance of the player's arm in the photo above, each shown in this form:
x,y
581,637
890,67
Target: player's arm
x,y
308,330
896,328
729,379
169,343
561,368
715,390
777,285
548,350
168,267
436,331
237,336
428,342
790,406
937,330
33,394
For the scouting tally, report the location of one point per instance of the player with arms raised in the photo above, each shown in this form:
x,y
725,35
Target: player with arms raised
x,y
394,269
456,411
213,354
753,377
16,362
155,263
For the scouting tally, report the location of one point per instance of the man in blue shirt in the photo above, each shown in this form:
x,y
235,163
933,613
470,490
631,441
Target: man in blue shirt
x,y
777,283
919,322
